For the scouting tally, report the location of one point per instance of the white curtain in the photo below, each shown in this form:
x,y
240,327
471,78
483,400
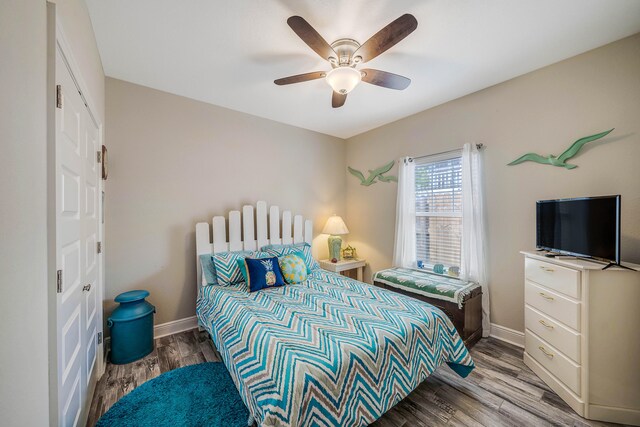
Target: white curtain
x,y
474,246
404,249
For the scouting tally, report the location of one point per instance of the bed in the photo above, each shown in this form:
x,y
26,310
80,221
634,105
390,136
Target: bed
x,y
330,351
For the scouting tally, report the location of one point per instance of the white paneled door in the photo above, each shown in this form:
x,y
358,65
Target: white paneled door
x,y
77,257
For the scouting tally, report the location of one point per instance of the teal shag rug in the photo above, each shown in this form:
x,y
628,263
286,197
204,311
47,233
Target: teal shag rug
x,y
196,395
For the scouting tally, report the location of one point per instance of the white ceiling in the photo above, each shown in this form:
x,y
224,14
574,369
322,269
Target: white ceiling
x,y
229,52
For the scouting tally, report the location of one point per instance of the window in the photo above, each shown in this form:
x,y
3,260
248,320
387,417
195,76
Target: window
x,y
439,210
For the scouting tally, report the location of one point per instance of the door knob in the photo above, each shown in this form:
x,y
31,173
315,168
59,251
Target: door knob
x,y
86,288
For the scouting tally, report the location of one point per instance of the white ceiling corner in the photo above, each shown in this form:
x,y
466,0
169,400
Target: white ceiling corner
x,y
229,53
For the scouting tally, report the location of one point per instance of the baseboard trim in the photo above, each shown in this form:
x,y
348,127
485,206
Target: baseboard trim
x,y
614,415
508,335
175,326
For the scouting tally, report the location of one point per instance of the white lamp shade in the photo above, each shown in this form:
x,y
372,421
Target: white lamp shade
x,y
335,226
343,79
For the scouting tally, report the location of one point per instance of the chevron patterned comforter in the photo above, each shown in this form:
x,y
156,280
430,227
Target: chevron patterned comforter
x,y
328,352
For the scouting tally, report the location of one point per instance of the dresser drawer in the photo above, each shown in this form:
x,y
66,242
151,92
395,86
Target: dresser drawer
x,y
559,336
553,360
553,276
553,304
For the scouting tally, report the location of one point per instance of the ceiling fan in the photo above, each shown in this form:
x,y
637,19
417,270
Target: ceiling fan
x,y
345,54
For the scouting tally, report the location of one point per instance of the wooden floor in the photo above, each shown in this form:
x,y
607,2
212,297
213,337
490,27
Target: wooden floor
x,y
501,391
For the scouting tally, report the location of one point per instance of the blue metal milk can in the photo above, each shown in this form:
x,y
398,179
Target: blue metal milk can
x,y
131,325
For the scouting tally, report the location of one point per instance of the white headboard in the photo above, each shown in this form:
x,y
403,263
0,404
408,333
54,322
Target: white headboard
x,y
244,236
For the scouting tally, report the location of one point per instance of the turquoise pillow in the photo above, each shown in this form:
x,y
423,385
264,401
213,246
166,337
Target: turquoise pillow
x,y
303,248
263,273
243,267
208,269
293,268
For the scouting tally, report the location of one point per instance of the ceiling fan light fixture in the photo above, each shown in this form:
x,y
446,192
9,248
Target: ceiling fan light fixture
x,y
345,54
343,79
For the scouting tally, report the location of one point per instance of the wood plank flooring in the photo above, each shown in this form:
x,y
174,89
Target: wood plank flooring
x,y
501,391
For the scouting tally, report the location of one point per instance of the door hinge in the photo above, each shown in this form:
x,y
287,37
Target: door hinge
x,y
99,337
99,156
99,245
59,281
58,96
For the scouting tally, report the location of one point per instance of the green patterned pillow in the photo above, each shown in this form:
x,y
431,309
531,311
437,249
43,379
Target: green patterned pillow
x,y
293,268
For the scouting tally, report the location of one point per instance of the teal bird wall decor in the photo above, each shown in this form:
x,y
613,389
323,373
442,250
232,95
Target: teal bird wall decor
x,y
373,174
561,160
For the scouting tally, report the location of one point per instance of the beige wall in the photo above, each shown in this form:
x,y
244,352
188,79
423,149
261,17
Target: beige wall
x,y
543,111
24,375
175,162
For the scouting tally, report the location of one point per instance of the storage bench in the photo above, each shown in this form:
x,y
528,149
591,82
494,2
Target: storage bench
x,y
461,301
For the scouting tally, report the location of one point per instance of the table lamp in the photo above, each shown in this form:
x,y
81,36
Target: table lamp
x,y
335,227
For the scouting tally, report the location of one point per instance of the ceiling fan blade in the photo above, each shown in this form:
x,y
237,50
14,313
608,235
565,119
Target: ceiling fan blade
x,y
385,79
337,99
310,36
387,37
298,78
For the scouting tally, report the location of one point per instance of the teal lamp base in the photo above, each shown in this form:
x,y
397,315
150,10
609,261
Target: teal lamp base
x,y
335,244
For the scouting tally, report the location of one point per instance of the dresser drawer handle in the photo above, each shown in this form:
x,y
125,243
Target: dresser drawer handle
x,y
543,323
546,353
547,269
545,296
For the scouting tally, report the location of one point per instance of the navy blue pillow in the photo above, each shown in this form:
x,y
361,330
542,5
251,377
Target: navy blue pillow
x,y
263,273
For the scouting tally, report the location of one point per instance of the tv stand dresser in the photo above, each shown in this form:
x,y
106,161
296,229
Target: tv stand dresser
x,y
582,334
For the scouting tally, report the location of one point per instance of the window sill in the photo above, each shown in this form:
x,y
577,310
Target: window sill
x,y
429,268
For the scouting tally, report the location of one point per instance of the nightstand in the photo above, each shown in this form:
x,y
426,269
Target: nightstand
x,y
345,265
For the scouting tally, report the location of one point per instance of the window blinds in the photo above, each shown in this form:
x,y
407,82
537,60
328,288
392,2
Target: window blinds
x,y
439,209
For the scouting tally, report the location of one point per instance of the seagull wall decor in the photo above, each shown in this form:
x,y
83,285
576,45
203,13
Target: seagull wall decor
x,y
561,160
373,174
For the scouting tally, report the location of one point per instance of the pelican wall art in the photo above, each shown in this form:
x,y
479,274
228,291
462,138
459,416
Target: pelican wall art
x,y
561,160
373,174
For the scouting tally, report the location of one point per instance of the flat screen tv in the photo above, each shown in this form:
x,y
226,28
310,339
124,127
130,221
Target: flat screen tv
x,y
585,226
